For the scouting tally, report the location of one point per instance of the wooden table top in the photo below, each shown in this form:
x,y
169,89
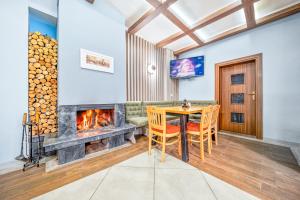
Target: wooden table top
x,y
183,111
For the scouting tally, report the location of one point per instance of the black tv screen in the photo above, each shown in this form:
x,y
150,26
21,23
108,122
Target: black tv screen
x,y
187,67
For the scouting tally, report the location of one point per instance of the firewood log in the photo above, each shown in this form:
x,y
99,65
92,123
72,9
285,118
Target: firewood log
x,y
42,78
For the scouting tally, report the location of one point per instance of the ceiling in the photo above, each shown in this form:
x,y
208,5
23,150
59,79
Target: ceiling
x,y
182,25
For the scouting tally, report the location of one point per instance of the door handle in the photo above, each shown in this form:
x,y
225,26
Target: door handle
x,y
253,95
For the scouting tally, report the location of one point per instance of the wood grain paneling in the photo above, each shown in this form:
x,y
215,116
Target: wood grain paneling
x,y
247,107
249,13
258,81
141,85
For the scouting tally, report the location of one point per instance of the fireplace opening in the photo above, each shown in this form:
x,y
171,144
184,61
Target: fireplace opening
x,y
95,119
96,146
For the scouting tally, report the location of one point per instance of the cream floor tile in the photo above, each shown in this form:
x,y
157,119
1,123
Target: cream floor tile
x,y
141,160
132,183
145,177
81,189
226,191
181,184
170,162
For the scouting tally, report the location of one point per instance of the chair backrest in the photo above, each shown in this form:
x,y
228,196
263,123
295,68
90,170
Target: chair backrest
x,y
156,118
205,121
215,115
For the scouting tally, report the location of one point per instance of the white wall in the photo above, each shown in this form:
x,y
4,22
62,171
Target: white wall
x,y
46,6
280,44
13,82
83,25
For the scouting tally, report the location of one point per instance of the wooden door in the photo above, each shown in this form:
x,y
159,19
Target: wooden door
x,y
238,98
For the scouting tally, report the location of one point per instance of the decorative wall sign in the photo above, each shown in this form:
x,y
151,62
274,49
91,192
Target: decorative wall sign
x,y
96,61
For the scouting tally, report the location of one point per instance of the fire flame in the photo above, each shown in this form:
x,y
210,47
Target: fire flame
x,y
92,119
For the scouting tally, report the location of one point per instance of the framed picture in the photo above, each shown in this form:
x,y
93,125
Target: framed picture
x,y
96,61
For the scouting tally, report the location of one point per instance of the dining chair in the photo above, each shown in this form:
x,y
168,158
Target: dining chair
x,y
161,132
201,132
214,123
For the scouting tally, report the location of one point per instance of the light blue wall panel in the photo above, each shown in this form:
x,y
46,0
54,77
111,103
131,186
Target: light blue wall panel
x,y
279,42
36,23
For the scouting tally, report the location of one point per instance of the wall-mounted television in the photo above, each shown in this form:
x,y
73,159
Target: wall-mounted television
x,y
187,67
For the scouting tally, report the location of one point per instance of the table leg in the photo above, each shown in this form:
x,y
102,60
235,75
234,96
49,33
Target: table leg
x,y
184,142
213,137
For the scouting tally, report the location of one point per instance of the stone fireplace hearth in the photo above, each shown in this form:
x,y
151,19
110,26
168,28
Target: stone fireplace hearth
x,y
83,129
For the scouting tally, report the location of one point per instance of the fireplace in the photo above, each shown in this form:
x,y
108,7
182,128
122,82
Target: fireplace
x,y
85,129
93,119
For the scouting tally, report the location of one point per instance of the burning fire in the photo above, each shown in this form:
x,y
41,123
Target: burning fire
x,y
92,119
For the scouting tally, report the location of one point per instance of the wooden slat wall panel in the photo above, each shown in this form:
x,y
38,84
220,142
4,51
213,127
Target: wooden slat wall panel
x,y
142,86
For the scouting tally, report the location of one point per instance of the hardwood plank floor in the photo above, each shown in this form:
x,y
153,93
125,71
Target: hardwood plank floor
x,y
266,171
35,181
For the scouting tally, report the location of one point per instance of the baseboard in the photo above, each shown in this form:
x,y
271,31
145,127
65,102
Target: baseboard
x,y
294,147
11,166
296,153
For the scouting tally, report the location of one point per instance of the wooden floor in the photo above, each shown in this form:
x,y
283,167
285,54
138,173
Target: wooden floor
x,y
266,171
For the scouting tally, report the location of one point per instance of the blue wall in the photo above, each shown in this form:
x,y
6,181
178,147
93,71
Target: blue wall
x,y
96,31
39,24
14,38
280,45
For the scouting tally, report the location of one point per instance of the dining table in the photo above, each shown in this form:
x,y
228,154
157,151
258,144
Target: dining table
x,y
184,115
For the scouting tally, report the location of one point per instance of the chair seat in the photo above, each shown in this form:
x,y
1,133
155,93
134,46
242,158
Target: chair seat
x,y
192,126
170,129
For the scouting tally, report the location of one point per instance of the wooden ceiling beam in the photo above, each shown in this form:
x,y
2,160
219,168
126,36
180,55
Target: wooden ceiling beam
x,y
280,14
141,22
218,37
228,10
182,26
231,8
264,20
170,39
176,21
249,13
154,3
185,49
149,16
90,1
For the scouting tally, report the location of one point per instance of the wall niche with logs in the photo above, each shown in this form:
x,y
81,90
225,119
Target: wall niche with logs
x,y
42,74
42,67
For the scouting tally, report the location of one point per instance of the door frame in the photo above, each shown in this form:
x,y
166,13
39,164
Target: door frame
x,y
257,58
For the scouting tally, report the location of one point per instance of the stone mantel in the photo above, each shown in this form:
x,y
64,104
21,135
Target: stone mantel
x,y
52,143
67,116
70,145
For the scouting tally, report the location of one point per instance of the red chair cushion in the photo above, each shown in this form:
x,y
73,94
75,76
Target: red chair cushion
x,y
192,126
170,129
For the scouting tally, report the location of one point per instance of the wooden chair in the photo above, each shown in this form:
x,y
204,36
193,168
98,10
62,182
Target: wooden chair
x,y
201,132
163,131
214,123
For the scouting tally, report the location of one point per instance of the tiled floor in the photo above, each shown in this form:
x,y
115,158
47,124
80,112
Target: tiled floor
x,y
144,177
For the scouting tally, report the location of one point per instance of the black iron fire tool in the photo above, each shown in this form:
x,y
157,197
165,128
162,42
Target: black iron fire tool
x,y
21,157
33,161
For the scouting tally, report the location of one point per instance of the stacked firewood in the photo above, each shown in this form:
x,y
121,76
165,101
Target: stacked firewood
x,y
42,67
